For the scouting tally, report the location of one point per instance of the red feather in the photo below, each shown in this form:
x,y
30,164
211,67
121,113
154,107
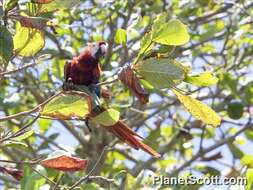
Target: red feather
x,y
83,70
127,135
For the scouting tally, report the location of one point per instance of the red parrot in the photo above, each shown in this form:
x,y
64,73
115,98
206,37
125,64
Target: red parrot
x,y
85,70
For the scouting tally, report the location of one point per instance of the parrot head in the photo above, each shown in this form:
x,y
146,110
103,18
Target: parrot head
x,y
97,49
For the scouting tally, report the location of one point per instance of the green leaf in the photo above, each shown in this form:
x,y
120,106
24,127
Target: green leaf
x,y
173,32
202,79
10,4
120,36
66,106
249,178
15,144
199,110
25,135
28,41
162,73
107,118
33,180
146,85
248,93
146,44
59,4
235,110
208,170
6,44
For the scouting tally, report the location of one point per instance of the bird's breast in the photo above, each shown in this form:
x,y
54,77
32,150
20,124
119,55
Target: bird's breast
x,y
82,74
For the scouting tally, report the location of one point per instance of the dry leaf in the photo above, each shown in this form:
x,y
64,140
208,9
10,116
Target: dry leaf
x,y
65,163
128,77
17,174
33,22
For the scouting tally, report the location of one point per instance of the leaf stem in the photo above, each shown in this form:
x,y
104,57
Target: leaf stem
x,y
139,55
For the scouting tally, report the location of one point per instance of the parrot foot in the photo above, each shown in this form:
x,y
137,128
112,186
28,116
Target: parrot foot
x,y
92,87
69,85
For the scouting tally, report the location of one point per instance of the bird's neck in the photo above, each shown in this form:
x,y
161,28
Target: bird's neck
x,y
86,59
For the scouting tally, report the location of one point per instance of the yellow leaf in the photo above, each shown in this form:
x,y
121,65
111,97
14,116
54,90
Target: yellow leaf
x,y
107,118
199,110
28,41
120,36
202,79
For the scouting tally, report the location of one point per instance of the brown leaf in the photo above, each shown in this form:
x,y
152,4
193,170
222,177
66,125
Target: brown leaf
x,y
17,174
33,22
128,77
65,163
212,157
42,1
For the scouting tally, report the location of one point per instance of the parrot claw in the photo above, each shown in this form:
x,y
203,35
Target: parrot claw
x,y
68,85
92,87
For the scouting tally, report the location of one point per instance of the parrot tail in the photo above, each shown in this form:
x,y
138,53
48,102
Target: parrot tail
x,y
127,135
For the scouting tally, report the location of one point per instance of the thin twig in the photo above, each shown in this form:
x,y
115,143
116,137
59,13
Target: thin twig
x,y
85,178
58,181
107,82
17,70
49,180
35,109
32,162
20,131
102,180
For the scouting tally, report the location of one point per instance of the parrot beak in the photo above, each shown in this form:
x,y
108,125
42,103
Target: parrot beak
x,y
103,48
